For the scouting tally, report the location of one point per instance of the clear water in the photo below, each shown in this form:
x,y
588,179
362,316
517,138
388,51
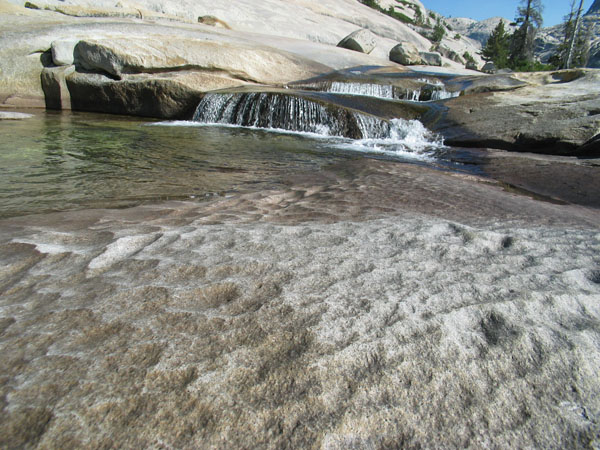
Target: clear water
x,y
61,161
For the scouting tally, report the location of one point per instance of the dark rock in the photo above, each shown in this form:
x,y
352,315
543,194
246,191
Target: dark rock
x,y
489,67
162,98
55,87
213,22
594,9
591,148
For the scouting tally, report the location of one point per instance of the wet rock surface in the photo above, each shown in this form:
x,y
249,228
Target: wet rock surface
x,y
425,301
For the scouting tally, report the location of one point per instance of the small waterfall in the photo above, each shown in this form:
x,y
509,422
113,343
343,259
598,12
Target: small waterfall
x,y
413,95
366,89
287,112
431,90
292,113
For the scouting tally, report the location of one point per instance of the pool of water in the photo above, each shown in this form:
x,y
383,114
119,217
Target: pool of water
x,y
61,161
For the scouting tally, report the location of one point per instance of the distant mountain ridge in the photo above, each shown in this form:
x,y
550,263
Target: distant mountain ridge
x,y
546,42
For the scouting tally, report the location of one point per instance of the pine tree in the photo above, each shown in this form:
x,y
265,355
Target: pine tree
x,y
497,47
529,17
574,49
438,32
574,35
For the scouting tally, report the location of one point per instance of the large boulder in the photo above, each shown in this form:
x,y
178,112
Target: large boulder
x,y
362,41
406,54
431,58
161,97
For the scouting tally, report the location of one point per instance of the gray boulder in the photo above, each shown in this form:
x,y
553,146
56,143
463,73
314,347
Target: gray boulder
x,y
406,54
431,58
360,41
489,67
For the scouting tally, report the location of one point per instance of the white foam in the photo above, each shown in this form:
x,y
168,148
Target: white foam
x,y
407,138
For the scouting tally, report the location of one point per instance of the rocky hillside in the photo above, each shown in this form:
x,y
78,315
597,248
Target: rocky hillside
x,y
548,38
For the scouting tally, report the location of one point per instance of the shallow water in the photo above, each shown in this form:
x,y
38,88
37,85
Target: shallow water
x,y
62,161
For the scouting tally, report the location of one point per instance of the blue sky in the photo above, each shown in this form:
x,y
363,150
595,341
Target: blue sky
x,y
554,10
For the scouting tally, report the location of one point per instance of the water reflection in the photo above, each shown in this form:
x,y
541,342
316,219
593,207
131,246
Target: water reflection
x,y
59,161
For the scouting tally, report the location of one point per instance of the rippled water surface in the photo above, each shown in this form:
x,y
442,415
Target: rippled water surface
x,y
59,161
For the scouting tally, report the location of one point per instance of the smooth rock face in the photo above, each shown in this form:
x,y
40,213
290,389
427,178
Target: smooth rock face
x,y
62,51
360,41
406,54
431,58
126,56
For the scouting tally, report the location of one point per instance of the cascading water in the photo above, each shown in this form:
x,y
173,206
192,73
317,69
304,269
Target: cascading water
x,y
429,91
280,111
288,112
365,89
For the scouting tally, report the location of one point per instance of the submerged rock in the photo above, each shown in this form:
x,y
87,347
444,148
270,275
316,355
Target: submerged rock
x,y
9,115
362,41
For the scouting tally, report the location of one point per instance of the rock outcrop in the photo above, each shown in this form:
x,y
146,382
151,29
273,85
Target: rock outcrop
x,y
552,113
